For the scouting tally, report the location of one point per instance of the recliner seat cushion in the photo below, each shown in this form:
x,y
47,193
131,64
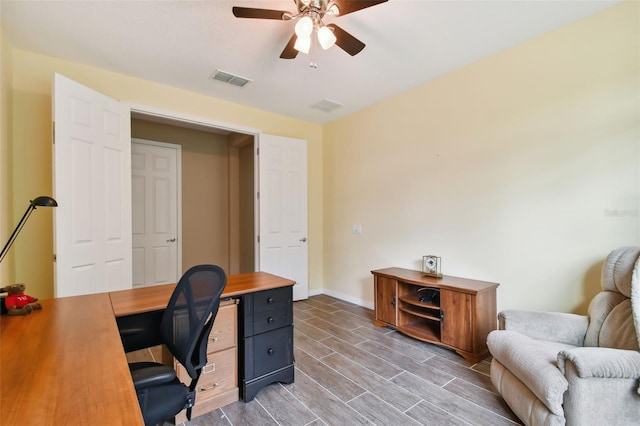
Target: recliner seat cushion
x,y
599,309
534,363
618,330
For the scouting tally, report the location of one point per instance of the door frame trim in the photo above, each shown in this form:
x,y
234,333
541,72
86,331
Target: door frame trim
x,y
160,115
187,120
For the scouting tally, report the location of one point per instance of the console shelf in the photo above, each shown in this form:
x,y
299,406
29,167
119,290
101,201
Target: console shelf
x,y
458,313
423,313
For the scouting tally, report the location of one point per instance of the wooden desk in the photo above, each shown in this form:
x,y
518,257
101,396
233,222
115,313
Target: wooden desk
x,y
66,365
146,299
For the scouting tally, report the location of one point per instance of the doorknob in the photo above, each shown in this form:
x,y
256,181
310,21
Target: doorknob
x,y
171,240
303,239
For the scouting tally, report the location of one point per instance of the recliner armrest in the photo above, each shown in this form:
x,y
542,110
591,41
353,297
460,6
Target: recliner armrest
x,y
552,326
602,362
152,376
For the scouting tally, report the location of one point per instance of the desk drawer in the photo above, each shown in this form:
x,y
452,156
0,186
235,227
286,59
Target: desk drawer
x,y
223,334
268,352
272,299
218,376
271,320
218,384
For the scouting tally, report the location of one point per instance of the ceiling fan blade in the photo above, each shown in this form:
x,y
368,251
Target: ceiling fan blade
x,y
289,51
346,41
350,6
250,12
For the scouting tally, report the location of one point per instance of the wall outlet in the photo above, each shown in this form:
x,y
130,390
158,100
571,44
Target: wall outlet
x,y
356,229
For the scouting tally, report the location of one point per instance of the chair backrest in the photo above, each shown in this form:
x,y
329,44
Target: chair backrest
x,y
612,320
188,319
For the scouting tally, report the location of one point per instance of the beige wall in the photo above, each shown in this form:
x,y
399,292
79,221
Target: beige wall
x,y
246,208
32,79
511,169
242,209
6,193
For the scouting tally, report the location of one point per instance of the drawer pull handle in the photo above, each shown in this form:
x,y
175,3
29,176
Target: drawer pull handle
x,y
271,351
215,339
209,368
270,320
270,300
213,386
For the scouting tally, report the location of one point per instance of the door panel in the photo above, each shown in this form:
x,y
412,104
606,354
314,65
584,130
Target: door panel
x,y
283,210
385,292
154,176
457,327
93,190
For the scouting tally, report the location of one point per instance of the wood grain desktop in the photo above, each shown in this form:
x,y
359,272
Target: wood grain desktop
x,y
65,365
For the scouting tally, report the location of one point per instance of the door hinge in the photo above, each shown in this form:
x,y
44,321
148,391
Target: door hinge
x,y
55,258
53,132
258,195
257,151
258,238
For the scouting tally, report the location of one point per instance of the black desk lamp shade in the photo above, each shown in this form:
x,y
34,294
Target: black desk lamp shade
x,y
42,201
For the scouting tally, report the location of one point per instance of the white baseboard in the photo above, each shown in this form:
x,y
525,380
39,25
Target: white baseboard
x,y
341,296
315,292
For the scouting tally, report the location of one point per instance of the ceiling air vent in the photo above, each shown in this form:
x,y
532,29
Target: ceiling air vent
x,y
227,77
326,105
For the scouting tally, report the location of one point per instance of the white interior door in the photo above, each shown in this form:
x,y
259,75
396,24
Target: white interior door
x,y
283,209
92,185
155,207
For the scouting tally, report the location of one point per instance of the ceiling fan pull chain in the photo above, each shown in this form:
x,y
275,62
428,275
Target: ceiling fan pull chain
x,y
312,54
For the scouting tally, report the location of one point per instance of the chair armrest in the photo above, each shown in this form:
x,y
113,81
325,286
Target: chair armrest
x,y
603,385
552,326
602,362
152,376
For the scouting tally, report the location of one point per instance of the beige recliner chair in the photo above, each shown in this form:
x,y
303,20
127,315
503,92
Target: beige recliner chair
x,y
556,368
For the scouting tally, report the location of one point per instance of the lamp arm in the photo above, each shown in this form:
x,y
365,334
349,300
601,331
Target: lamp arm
x,y
16,231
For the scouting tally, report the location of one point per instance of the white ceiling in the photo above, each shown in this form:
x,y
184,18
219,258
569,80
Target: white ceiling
x,y
180,43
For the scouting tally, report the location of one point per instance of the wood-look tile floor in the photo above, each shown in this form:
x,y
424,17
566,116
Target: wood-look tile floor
x,y
350,372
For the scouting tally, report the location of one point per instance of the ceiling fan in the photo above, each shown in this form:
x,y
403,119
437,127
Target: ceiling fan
x,y
309,16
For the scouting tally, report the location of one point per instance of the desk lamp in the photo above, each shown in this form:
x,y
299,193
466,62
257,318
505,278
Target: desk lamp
x,y
42,201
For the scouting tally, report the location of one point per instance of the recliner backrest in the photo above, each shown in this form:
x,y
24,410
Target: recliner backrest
x,y
611,321
188,319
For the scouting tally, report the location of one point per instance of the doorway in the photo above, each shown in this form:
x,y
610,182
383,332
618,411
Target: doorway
x,y
217,187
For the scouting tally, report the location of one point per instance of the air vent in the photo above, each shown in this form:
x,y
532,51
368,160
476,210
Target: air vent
x,y
326,105
227,77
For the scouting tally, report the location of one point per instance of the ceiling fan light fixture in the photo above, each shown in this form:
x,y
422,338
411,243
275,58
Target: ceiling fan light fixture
x,y
304,27
303,44
326,37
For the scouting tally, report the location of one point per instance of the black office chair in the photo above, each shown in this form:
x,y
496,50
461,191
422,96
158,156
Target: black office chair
x,y
184,329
